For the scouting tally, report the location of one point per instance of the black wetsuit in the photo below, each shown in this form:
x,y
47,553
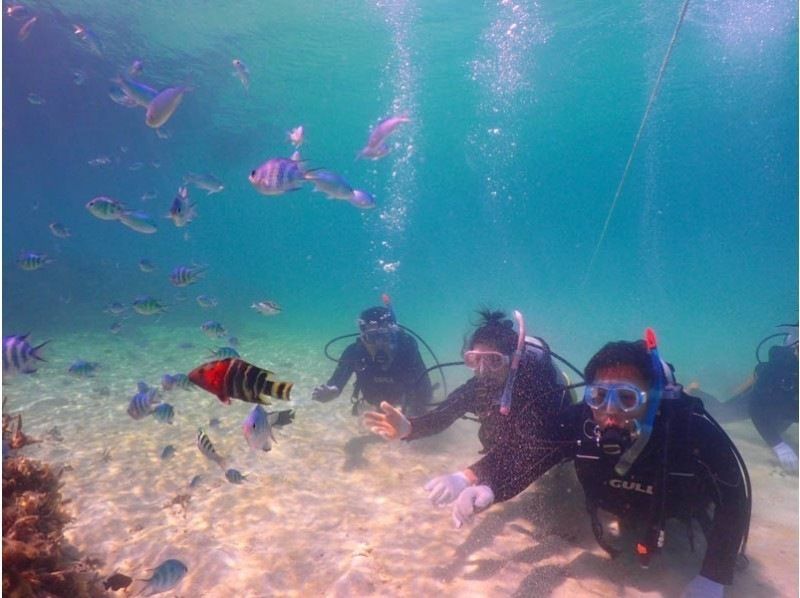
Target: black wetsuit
x,y
688,465
538,392
401,382
773,398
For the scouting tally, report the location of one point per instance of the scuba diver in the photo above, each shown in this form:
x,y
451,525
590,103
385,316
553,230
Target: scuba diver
x,y
769,398
387,365
644,451
513,375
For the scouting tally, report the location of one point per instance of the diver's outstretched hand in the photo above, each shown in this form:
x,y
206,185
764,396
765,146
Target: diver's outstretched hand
x,y
391,424
472,499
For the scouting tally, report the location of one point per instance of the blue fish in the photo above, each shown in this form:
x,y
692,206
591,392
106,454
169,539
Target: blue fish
x,y
168,382
147,306
31,260
182,211
19,356
83,368
164,413
141,405
168,452
234,476
224,352
165,577
183,276
213,329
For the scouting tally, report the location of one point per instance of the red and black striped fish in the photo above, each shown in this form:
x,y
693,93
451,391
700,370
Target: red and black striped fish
x,y
234,378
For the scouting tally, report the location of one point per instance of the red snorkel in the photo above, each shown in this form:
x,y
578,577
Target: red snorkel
x,y
505,398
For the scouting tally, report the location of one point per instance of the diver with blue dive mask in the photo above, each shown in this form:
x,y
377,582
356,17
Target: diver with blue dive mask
x,y
644,452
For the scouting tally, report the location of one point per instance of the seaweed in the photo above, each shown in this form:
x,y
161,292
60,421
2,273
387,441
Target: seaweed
x,y
36,559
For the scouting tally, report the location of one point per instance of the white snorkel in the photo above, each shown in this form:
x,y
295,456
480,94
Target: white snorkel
x,y
505,398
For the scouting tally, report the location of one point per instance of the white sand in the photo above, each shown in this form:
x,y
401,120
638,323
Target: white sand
x,y
331,510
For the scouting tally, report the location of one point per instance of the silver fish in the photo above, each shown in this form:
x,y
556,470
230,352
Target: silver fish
x,y
115,328
213,329
234,476
115,308
207,448
165,577
206,302
277,176
147,306
242,73
59,230
141,404
207,182
141,222
162,107
164,413
331,184
31,260
19,357
258,424
138,92
35,99
267,308
182,211
105,208
146,265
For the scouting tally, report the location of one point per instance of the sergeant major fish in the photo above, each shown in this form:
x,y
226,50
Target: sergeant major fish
x,y
183,276
164,413
213,329
236,379
19,357
207,448
83,368
165,577
105,208
31,260
224,352
147,306
168,382
267,308
141,404
234,476
182,211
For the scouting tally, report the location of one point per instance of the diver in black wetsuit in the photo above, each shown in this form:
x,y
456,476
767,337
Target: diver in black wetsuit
x,y
387,365
645,452
538,391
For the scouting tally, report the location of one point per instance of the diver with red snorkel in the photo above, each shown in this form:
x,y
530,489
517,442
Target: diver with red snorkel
x,y
514,377
644,452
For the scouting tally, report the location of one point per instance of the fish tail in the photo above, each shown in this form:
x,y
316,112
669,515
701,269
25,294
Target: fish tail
x,y
34,351
277,390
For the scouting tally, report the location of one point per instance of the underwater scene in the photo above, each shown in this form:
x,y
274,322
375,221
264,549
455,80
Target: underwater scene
x,y
400,298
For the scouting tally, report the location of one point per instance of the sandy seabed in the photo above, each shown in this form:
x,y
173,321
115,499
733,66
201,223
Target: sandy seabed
x,y
332,510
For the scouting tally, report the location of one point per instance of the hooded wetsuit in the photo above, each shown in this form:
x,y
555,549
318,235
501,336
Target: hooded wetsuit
x,y
401,382
538,392
688,465
773,397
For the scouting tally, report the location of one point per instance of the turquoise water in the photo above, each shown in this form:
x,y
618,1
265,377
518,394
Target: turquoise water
x,y
495,193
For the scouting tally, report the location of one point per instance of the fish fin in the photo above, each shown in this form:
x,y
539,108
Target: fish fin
x,y
224,399
142,386
36,348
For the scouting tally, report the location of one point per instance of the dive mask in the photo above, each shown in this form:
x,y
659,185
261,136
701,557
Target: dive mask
x,y
626,397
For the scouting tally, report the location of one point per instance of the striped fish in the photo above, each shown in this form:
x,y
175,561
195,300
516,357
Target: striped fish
x,y
234,476
207,448
183,276
224,353
164,413
213,329
165,577
236,379
19,357
141,405
31,260
277,176
168,382
83,368
105,208
147,306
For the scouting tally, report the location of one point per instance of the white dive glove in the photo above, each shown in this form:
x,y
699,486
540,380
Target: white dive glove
x,y
703,587
391,424
786,456
444,489
324,393
471,500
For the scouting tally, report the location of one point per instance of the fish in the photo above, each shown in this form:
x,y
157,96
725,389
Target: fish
x,y
213,329
148,306
18,11
196,481
115,327
207,448
258,424
88,37
242,73
331,184
148,195
19,357
234,476
165,577
168,382
267,308
163,133
374,153
83,368
30,261
26,28
215,423
100,161
183,276
277,176
162,107
140,93
362,199
206,302
233,341
297,136
115,308
164,413
78,77
118,581
105,208
118,96
224,352
141,222
35,99
167,453
136,67
207,182
136,166
141,404
182,211
59,230
146,265
381,132
234,378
